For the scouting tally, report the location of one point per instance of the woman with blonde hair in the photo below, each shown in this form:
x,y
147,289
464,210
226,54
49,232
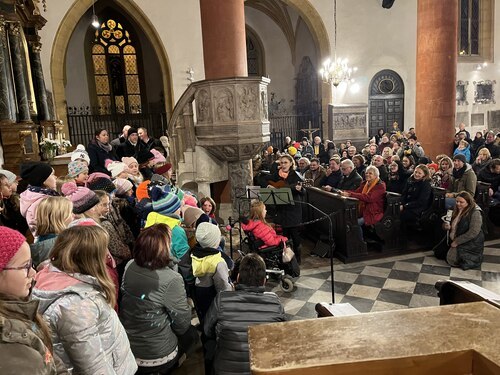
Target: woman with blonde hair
x,y
483,157
53,216
77,297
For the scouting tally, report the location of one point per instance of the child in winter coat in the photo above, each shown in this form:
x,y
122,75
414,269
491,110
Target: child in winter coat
x,y
260,228
77,298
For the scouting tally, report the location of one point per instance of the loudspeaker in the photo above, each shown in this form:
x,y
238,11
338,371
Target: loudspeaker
x,y
387,3
321,249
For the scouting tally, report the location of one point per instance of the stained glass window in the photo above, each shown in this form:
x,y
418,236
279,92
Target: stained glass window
x,y
116,74
468,25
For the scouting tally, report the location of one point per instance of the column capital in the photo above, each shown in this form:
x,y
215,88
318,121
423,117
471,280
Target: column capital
x,y
35,46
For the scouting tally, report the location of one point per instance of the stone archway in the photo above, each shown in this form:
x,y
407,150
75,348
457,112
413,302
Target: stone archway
x,y
61,42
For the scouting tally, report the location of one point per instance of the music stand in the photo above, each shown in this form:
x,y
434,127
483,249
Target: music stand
x,y
276,197
252,192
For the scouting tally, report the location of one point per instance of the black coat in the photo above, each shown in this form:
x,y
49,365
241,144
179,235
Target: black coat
x,y
127,149
384,173
332,180
351,182
152,143
98,157
228,319
416,196
291,214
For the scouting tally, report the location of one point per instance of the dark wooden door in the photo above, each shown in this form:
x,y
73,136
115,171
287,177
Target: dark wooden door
x,y
386,102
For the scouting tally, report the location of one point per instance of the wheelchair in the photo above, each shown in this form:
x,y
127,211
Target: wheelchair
x,y
276,270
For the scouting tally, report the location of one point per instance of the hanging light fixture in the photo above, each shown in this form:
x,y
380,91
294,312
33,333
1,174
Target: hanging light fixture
x,y
94,21
337,70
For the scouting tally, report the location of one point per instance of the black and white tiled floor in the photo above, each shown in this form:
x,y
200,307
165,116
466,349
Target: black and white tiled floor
x,y
400,282
386,284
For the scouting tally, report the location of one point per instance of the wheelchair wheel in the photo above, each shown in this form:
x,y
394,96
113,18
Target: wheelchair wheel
x,y
286,284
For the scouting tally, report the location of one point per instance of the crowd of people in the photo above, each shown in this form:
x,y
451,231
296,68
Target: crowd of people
x,y
102,270
393,162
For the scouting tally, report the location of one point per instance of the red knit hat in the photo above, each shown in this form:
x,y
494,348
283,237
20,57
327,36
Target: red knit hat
x,y
9,245
163,169
142,190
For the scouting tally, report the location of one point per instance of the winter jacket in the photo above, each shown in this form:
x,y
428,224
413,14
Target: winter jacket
x,y
228,320
29,201
350,182
98,157
11,216
333,179
316,177
477,167
87,333
22,351
374,202
467,182
416,196
154,310
469,237
127,149
263,232
486,175
465,152
117,247
180,244
40,250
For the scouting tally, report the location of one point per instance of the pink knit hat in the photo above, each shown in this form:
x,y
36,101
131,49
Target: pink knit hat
x,y
83,199
129,160
9,245
122,186
159,158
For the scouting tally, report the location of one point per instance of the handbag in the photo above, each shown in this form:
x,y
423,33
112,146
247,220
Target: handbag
x,y
288,253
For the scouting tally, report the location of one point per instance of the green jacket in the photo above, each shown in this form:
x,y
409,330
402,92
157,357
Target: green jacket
x,y
467,182
180,245
22,351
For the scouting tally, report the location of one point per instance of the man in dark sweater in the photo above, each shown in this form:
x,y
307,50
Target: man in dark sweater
x,y
351,180
232,312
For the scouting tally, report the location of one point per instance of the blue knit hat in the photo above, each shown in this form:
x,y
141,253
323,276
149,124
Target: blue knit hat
x,y
164,202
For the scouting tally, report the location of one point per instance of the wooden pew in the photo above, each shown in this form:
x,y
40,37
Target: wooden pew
x,y
453,292
349,246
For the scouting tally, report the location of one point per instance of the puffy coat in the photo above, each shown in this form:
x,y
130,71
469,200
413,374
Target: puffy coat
x,y
154,310
228,320
374,202
40,250
87,333
469,237
467,182
22,351
465,152
29,201
263,232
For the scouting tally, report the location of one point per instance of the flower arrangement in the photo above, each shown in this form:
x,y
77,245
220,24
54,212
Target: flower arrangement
x,y
50,147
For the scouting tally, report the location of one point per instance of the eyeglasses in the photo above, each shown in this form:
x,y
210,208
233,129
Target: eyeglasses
x,y
28,266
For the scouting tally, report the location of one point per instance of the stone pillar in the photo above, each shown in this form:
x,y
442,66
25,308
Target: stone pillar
x,y
437,23
240,176
19,70
224,39
7,109
38,80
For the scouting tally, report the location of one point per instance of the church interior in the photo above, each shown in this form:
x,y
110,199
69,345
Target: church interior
x,y
226,79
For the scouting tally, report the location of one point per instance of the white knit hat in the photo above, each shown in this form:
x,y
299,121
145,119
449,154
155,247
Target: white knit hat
x,y
11,177
208,235
80,153
116,167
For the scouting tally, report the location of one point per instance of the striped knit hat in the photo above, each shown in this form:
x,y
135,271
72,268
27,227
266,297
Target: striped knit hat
x,y
83,199
164,202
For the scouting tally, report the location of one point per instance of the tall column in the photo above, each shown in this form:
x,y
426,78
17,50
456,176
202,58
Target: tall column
x,y
38,80
437,23
224,40
19,70
7,111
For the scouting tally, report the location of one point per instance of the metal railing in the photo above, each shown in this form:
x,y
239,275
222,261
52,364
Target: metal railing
x,y
293,126
82,123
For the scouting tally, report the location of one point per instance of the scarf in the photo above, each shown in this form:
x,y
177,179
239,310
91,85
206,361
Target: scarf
x,y
41,190
366,189
283,175
458,173
105,146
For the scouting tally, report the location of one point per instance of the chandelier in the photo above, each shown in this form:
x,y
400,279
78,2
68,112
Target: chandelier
x,y
336,70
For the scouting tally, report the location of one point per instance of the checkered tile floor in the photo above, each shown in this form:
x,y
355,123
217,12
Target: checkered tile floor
x,y
386,284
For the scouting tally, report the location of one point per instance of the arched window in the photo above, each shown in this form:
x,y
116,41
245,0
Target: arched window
x,y
115,70
255,54
475,30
